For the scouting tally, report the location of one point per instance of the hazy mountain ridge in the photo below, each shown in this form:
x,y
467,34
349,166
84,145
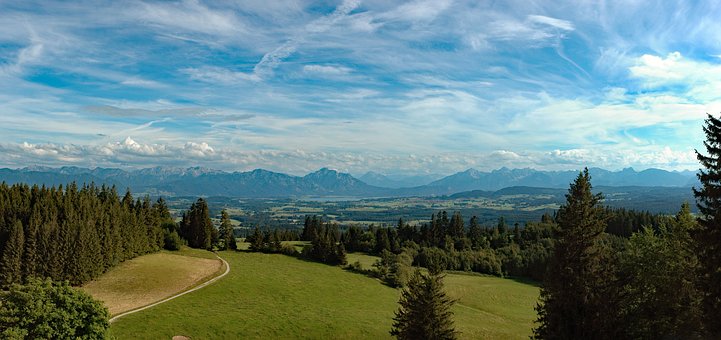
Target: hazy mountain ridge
x,y
259,183
397,181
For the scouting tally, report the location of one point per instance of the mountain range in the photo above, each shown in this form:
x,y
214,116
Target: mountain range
x,y
198,181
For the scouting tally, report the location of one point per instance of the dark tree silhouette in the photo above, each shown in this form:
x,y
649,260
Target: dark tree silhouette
x,y
425,310
708,237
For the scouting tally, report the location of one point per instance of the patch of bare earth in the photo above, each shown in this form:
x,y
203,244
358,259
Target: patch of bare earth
x,y
150,278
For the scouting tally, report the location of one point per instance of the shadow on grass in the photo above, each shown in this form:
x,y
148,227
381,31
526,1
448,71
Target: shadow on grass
x,y
525,280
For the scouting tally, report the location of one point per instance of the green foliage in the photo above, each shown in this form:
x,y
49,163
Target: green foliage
x,y
401,268
425,310
11,262
577,296
325,244
73,233
42,309
226,235
256,240
172,241
660,299
708,236
196,226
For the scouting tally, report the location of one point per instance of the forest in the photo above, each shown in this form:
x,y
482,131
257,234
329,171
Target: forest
x,y
74,233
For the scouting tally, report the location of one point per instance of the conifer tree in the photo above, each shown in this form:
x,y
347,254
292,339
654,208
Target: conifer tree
x,y
425,310
256,240
227,238
196,227
456,229
30,258
475,233
575,300
382,241
12,257
708,237
660,299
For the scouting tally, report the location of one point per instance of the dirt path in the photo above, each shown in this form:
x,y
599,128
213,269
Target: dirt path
x,y
227,270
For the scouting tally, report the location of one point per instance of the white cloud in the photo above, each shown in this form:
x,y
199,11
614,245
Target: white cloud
x,y
130,153
189,15
418,11
557,23
701,80
327,70
214,74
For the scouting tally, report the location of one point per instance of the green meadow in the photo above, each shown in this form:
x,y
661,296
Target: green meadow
x,y
276,296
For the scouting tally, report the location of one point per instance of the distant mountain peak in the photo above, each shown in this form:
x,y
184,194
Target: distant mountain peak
x,y
330,182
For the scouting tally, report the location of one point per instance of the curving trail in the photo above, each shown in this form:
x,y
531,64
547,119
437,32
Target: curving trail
x,y
227,270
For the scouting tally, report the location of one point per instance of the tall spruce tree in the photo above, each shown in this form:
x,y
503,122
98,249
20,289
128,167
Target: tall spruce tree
x,y
227,238
11,262
708,237
30,256
575,301
475,233
196,226
425,310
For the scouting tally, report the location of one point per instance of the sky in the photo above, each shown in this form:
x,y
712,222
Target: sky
x,y
416,87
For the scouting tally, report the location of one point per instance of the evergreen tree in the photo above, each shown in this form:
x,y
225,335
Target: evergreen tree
x,y
425,310
30,256
72,233
12,259
456,228
502,226
196,226
227,237
576,300
382,241
708,237
255,240
475,233
659,298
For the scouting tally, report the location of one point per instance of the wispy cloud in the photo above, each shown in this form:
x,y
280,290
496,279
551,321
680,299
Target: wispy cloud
x,y
419,86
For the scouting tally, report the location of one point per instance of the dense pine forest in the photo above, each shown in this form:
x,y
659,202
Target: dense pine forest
x,y
74,233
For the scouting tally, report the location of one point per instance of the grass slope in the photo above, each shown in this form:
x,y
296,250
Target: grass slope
x,y
487,307
146,279
275,296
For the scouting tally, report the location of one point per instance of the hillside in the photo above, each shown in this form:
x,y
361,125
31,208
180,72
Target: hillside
x,y
275,296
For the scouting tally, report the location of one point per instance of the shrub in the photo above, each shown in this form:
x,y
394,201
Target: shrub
x,y
289,249
172,240
43,309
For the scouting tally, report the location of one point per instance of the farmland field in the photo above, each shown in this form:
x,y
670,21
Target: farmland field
x,y
276,296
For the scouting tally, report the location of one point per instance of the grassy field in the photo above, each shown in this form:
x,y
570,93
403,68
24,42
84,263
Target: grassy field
x,y
146,279
505,306
276,296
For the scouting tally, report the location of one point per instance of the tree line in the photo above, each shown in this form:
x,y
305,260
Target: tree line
x,y
74,233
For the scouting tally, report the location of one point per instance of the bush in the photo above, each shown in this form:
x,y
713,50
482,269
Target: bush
x,y
356,267
172,240
42,309
289,249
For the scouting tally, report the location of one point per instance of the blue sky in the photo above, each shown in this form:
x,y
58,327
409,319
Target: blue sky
x,y
395,87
